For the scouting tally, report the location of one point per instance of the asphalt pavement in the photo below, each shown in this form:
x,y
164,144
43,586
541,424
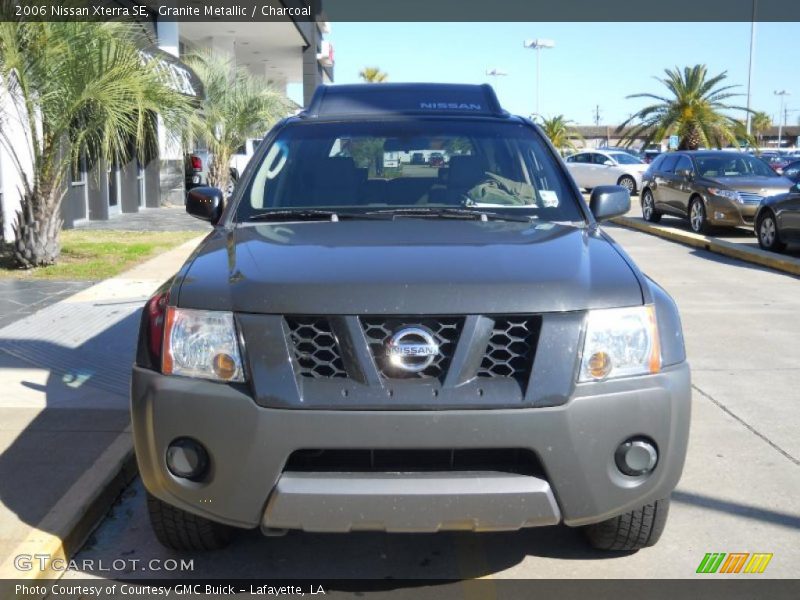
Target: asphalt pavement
x,y
738,493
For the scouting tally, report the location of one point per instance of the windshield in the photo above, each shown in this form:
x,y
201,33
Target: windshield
x,y
624,158
739,165
383,166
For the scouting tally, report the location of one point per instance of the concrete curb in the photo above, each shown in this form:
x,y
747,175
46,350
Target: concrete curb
x,y
64,529
73,517
756,256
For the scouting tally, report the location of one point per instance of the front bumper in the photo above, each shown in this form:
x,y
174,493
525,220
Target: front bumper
x,y
725,212
249,445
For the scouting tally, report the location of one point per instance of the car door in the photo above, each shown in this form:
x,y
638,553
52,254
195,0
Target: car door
x,y
604,170
789,218
680,184
578,165
661,182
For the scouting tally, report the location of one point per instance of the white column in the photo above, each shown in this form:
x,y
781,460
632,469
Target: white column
x,y
168,36
225,44
169,41
169,147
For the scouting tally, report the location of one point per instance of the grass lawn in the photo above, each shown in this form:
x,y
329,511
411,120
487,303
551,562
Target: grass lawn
x,y
98,254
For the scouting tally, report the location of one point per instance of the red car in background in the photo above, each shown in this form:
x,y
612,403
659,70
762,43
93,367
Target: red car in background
x,y
436,159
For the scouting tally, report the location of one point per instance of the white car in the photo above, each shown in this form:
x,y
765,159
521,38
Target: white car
x,y
606,167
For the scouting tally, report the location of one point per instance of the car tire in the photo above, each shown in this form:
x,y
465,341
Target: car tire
x,y
767,233
181,530
630,531
231,186
628,183
698,220
649,212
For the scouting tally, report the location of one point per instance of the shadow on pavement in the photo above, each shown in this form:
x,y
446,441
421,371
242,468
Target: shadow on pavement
x,y
742,510
49,445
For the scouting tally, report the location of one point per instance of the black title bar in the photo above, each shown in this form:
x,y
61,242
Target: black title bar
x,y
406,10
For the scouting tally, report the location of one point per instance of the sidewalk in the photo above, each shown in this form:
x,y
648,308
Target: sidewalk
x,y
739,243
65,444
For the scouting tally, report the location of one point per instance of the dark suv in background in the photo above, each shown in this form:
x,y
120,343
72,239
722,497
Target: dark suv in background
x,y
429,351
708,187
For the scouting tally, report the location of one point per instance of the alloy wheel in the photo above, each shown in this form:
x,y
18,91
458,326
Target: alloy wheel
x,y
628,184
697,216
767,232
647,206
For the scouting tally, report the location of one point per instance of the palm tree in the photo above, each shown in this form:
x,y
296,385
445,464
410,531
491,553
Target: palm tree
x,y
692,110
759,123
81,91
372,75
237,105
560,132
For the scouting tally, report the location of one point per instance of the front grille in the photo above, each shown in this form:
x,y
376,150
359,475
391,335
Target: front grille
x,y
508,460
314,347
511,348
750,198
445,330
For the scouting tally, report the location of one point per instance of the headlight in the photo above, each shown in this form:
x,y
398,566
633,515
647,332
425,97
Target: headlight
x,y
200,343
729,194
620,342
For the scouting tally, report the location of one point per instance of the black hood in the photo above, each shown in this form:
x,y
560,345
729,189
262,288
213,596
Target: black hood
x,y
407,266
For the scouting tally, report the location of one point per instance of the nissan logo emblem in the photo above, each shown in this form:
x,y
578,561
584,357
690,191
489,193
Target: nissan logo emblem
x,y
412,349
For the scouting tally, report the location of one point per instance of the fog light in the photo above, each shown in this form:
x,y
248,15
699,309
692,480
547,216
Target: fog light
x,y
599,365
719,215
636,457
224,366
187,459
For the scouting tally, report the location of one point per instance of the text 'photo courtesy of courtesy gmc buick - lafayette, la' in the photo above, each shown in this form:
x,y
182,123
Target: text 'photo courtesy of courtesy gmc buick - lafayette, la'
x,y
371,340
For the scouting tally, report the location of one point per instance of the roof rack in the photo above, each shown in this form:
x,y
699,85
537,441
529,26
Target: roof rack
x,y
384,99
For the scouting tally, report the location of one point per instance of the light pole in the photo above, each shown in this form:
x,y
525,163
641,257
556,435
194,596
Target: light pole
x,y
537,45
495,73
750,66
781,116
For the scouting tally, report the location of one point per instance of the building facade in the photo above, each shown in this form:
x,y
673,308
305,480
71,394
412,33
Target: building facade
x,y
287,53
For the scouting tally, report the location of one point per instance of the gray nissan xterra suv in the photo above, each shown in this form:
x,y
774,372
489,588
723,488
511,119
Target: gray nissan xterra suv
x,y
412,347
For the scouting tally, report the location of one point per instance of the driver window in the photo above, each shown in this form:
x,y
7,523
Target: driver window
x,y
684,164
600,159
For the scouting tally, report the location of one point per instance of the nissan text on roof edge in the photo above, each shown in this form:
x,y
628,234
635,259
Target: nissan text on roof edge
x,y
412,348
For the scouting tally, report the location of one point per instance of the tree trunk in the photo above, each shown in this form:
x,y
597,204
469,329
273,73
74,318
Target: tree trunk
x,y
691,138
36,232
219,172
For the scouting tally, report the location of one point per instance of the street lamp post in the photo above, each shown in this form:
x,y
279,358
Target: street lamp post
x,y
495,73
782,94
537,45
750,67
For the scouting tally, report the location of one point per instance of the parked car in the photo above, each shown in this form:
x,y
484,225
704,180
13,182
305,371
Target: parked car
x,y
196,164
778,162
352,352
708,187
436,159
609,167
792,171
777,221
650,155
631,151
417,158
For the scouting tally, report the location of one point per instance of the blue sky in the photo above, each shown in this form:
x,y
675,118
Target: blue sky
x,y
592,63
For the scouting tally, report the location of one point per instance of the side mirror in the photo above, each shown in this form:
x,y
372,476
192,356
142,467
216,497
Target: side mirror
x,y
205,203
608,163
609,201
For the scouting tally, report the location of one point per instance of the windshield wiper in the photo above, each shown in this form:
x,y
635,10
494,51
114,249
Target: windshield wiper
x,y
308,214
453,213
